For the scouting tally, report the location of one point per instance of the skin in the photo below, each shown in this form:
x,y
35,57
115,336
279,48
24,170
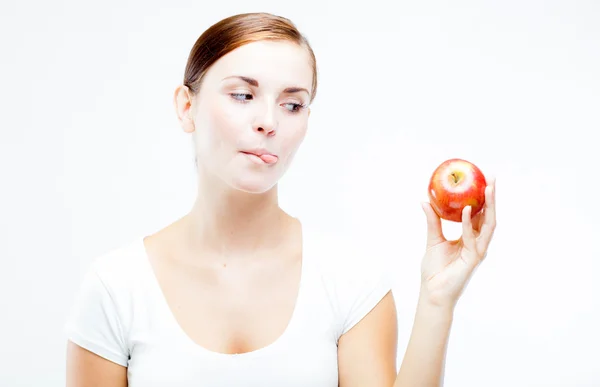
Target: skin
x,y
236,235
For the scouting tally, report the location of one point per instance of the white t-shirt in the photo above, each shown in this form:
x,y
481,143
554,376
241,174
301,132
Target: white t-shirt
x,y
121,315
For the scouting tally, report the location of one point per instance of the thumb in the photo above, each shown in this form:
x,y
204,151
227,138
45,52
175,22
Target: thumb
x,y
434,226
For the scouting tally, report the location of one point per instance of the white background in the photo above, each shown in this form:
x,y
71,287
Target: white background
x,y
91,156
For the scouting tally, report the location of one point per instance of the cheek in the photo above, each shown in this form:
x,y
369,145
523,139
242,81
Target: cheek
x,y
293,138
224,124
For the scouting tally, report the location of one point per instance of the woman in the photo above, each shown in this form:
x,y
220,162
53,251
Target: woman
x,y
237,292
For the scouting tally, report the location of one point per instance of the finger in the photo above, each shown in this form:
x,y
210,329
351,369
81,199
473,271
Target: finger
x,y
434,226
489,221
477,221
468,235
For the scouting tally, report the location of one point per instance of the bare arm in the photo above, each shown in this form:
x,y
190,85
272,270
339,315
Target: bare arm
x,y
86,369
367,353
424,360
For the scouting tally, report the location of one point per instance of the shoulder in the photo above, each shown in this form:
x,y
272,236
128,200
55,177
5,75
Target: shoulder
x,y
354,274
341,256
112,280
118,268
100,317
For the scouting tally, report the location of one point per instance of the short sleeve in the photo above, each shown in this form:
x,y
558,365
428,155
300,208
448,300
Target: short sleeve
x,y
364,288
93,322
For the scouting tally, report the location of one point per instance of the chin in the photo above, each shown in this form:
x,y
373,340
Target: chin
x,y
253,183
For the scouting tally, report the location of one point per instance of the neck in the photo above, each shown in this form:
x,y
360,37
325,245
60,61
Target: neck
x,y
232,222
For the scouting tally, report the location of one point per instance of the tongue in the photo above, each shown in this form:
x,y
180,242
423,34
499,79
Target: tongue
x,y
269,159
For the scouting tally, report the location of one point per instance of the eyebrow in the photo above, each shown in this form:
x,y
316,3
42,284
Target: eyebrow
x,y
254,82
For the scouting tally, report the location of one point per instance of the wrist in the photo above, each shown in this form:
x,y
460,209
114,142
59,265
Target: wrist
x,y
434,319
433,304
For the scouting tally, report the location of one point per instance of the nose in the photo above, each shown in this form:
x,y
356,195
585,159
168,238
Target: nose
x,y
266,131
265,121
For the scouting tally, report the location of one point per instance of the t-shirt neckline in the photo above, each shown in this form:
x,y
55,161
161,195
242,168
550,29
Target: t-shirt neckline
x,y
180,333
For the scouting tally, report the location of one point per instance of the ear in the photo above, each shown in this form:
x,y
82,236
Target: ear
x,y
182,101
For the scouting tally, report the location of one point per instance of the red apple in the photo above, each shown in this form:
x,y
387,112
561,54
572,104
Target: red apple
x,y
456,183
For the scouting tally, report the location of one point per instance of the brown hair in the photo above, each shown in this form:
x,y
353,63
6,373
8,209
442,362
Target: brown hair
x,y
235,31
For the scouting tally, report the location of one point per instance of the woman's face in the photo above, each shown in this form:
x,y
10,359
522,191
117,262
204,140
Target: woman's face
x,y
251,114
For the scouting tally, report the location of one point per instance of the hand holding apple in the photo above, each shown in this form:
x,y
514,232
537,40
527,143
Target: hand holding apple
x,y
458,192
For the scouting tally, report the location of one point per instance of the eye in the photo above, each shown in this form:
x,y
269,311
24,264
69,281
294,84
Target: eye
x,y
294,107
242,97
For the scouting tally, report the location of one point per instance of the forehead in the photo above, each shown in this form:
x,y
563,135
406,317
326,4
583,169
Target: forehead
x,y
270,62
